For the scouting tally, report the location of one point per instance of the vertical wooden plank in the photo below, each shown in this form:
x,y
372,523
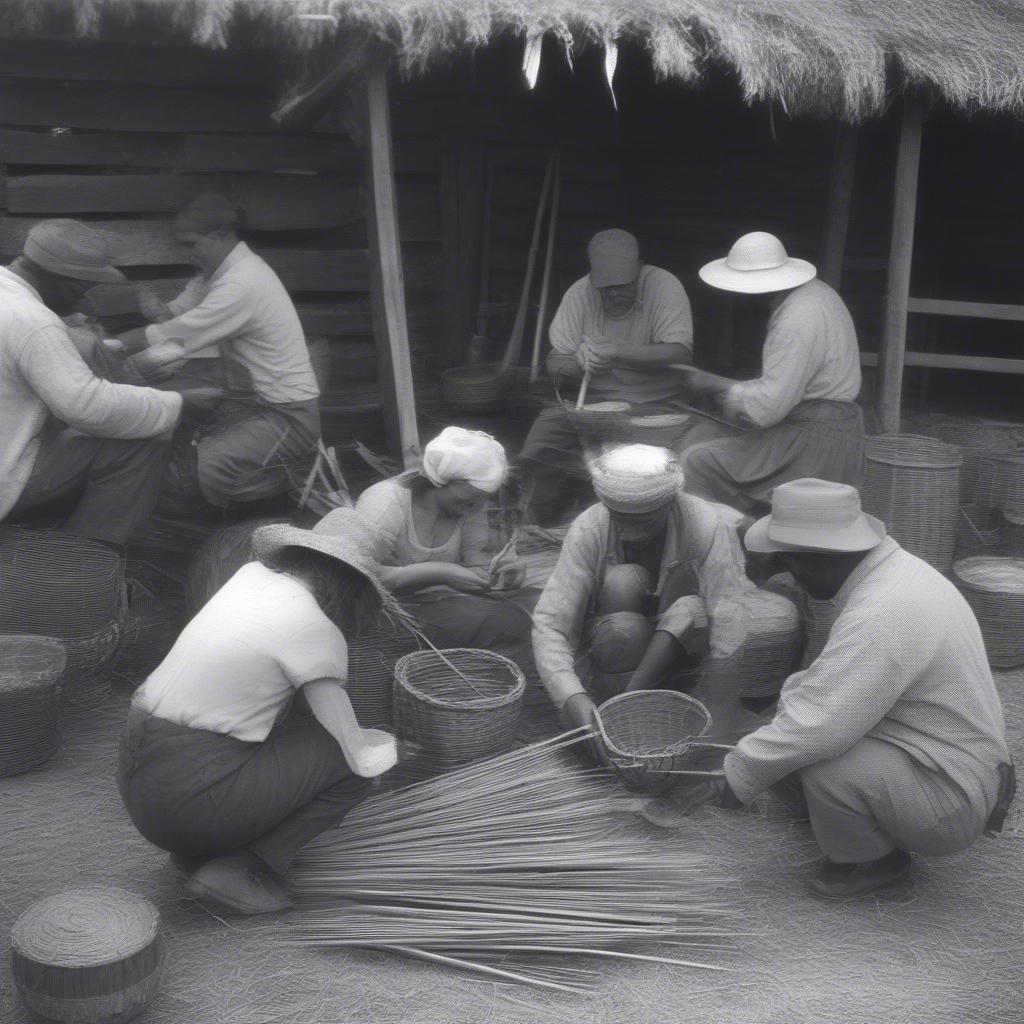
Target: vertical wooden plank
x,y
897,282
448,196
840,196
387,286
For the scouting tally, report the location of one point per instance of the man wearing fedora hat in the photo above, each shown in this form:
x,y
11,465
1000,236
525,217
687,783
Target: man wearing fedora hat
x,y
110,459
800,416
895,733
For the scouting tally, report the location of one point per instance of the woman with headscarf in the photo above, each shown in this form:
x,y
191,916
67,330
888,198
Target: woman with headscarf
x,y
242,745
433,545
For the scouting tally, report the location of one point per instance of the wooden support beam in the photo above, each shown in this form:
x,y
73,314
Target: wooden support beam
x,y
387,286
976,310
840,198
950,361
897,283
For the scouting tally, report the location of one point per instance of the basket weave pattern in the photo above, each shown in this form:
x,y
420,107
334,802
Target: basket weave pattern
x,y
372,658
912,484
30,669
459,704
994,588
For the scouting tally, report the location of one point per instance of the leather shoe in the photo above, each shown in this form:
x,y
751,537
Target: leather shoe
x,y
848,881
239,883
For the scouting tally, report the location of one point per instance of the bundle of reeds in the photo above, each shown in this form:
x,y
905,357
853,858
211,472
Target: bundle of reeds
x,y
516,867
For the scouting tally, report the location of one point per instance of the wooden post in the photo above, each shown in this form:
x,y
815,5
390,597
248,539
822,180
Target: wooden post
x,y
387,285
897,281
840,196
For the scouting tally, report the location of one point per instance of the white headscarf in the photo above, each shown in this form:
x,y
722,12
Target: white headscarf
x,y
469,455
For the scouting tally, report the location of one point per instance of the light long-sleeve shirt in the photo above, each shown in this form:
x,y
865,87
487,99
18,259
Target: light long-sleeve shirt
x,y
660,316
43,377
696,535
810,352
904,663
245,311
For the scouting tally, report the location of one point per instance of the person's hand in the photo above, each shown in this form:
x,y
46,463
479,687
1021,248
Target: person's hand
x,y
668,811
160,361
466,580
378,754
595,354
152,307
578,712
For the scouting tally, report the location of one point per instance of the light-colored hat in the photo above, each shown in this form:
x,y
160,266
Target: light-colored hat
x,y
636,478
815,515
614,258
342,534
469,455
71,249
757,263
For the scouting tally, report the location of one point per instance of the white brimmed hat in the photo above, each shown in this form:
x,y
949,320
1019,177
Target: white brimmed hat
x,y
757,263
815,515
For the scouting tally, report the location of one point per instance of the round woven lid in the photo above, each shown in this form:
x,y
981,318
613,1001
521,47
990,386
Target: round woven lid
x,y
27,661
990,572
85,927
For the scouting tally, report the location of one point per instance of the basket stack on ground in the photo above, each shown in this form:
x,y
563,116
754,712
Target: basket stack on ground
x,y
994,588
517,868
69,588
30,670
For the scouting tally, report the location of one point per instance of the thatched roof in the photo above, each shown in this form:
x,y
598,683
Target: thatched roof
x,y
840,56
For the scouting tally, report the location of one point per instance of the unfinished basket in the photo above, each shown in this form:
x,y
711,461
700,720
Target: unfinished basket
x,y
652,737
662,431
88,956
30,669
600,422
994,588
912,484
372,657
458,705
476,388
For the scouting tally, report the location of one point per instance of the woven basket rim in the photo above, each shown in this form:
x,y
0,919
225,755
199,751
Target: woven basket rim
x,y
980,587
640,760
932,454
474,704
473,373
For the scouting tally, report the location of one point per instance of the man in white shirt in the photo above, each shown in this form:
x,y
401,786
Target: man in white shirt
x,y
239,310
895,733
622,324
66,435
800,417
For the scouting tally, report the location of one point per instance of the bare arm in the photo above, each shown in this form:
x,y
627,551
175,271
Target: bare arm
x,y
368,752
650,357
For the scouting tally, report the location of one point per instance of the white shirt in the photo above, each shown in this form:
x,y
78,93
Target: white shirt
x,y
42,375
810,352
904,663
246,311
260,638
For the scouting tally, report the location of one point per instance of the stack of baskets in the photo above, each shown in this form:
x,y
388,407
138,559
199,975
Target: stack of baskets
x,y
475,388
458,705
70,588
30,669
994,588
912,484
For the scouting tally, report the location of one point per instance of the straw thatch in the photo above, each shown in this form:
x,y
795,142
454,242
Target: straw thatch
x,y
835,56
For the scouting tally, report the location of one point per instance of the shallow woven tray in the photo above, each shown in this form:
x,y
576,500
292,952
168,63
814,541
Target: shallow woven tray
x,y
458,705
30,669
994,588
652,737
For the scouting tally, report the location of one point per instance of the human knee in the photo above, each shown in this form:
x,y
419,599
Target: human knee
x,y
624,589
620,641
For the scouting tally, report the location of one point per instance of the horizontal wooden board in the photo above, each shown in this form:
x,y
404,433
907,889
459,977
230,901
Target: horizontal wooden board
x,y
272,202
949,361
976,310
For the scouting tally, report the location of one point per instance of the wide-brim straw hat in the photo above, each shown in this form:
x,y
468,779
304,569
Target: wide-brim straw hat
x,y
815,515
636,479
343,534
757,263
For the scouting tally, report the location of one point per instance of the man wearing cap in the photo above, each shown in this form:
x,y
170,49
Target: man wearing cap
x,y
110,458
620,326
800,415
237,309
895,732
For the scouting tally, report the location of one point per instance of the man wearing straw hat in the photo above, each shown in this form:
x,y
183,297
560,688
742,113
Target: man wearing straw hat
x,y
800,415
895,733
617,328
110,459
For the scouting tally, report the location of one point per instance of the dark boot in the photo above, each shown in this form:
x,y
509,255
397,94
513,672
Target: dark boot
x,y
849,881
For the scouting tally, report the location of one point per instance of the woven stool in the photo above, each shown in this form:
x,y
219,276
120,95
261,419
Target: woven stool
x,y
912,484
459,704
88,956
994,588
30,669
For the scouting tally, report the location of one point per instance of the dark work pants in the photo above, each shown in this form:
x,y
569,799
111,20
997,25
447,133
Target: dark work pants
x,y
203,794
116,483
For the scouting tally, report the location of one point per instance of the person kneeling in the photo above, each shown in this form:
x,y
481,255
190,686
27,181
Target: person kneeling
x,y
242,745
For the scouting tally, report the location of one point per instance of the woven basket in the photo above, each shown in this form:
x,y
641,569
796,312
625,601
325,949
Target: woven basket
x,y
30,669
88,956
477,388
600,422
977,527
1012,531
912,484
70,588
652,737
1001,483
975,440
453,720
661,431
372,657
149,633
994,588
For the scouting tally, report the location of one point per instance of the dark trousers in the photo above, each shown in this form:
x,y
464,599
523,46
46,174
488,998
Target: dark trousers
x,y
115,482
203,794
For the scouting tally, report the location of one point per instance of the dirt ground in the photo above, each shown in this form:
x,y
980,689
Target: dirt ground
x,y
949,949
